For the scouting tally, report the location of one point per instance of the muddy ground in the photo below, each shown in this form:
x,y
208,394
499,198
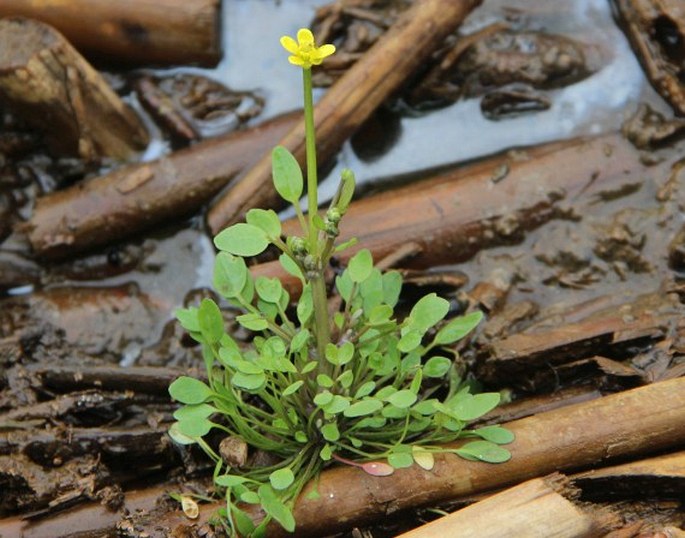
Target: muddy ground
x,y
88,343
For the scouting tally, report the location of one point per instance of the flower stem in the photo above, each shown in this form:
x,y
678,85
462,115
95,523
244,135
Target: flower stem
x,y
310,144
323,333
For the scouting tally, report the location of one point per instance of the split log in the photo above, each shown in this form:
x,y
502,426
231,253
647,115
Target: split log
x,y
131,31
636,422
655,478
539,508
647,318
49,85
656,30
133,198
352,99
453,216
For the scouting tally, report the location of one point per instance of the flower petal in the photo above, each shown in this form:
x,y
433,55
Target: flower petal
x,y
296,60
289,44
305,37
325,50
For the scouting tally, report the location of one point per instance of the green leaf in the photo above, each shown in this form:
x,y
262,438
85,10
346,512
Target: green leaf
x,y
300,340
254,322
266,220
495,434
189,390
337,405
364,390
269,289
243,522
293,388
230,274
380,314
282,478
400,460
345,190
326,453
468,407
251,382
330,432
323,398
364,407
428,311
402,398
250,497
196,412
345,245
360,266
229,480
178,437
371,290
344,285
457,328
187,317
290,266
410,340
392,287
287,175
305,306
274,507
436,366
345,353
423,458
345,379
484,451
242,240
324,381
194,427
416,382
211,321
309,367
425,407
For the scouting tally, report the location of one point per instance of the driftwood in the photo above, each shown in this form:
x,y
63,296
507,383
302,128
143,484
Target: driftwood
x,y
539,508
133,198
646,318
456,214
352,99
660,478
656,30
631,423
130,31
50,86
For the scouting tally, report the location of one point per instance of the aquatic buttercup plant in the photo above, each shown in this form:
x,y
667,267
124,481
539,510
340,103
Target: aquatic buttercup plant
x,y
362,386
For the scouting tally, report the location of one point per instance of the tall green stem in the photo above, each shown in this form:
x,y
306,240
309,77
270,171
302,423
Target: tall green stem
x,y
310,144
319,298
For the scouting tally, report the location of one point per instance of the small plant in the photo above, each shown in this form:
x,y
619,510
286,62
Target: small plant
x,y
357,386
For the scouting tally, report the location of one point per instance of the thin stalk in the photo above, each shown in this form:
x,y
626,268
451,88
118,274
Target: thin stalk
x,y
310,144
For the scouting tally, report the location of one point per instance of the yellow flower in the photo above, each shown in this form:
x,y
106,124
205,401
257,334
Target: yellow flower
x,y
304,51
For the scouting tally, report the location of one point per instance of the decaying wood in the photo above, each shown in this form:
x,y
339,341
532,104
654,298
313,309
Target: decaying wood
x,y
134,198
456,214
131,31
639,421
352,99
656,29
636,422
48,84
539,508
649,317
141,379
660,478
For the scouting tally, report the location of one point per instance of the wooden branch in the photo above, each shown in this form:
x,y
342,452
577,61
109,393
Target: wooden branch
x,y
345,106
48,84
131,31
539,508
639,421
134,198
661,478
456,214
